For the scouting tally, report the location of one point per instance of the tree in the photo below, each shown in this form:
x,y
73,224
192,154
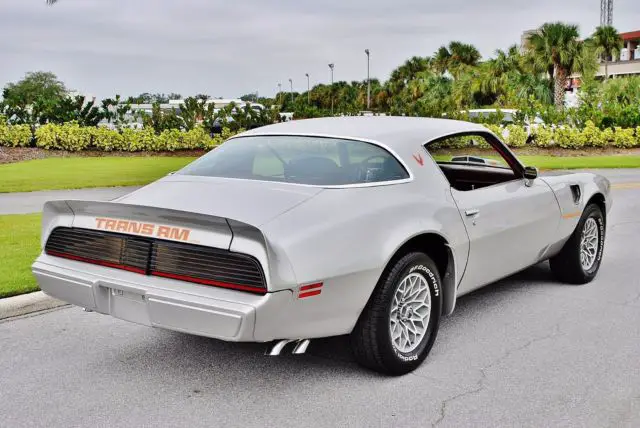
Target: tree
x,y
456,58
39,85
607,44
555,48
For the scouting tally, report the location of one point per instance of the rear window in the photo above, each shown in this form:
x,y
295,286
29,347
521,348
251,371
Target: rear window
x,y
298,159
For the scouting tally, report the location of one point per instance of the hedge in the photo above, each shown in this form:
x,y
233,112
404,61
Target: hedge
x,y
72,137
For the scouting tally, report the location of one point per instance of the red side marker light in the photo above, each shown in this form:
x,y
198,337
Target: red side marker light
x,y
310,290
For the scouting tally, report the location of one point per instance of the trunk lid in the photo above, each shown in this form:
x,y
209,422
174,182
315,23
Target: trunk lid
x,y
251,202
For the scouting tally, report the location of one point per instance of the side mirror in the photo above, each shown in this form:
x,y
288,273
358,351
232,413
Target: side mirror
x,y
530,172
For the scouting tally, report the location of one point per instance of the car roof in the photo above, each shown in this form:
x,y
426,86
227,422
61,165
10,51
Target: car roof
x,y
393,131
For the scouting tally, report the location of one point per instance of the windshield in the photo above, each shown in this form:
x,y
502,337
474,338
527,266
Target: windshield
x,y
299,159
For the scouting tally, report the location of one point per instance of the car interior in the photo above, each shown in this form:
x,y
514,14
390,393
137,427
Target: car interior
x,y
469,172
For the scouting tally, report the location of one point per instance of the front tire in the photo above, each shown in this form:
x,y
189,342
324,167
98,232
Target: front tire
x,y
400,322
579,260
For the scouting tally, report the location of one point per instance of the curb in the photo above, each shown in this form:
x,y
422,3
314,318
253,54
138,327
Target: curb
x,y
27,303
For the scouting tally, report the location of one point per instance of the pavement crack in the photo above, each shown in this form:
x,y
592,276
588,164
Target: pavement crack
x,y
481,384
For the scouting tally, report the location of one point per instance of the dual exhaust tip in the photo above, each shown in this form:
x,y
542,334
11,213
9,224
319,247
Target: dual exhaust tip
x,y
300,346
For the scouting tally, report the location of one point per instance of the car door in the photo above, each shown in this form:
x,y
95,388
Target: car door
x,y
509,225
510,220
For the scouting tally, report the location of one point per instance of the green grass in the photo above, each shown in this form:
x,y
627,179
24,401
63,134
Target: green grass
x,y
19,246
569,162
78,172
580,162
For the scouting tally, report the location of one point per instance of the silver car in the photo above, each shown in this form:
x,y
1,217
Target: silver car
x,y
323,227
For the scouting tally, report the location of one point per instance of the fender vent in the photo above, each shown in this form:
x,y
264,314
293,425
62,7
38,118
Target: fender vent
x,y
157,257
576,192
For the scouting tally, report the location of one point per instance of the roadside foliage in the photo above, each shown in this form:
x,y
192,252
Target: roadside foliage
x,y
73,137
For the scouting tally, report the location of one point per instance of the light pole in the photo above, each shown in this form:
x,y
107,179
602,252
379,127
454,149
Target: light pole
x,y
331,67
368,82
308,89
279,92
291,89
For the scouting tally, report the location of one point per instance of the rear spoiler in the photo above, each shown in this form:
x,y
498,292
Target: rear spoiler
x,y
139,220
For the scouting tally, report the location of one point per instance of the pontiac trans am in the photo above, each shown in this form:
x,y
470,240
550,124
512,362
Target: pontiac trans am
x,y
323,227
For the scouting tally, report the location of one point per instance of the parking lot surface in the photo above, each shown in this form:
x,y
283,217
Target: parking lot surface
x,y
527,351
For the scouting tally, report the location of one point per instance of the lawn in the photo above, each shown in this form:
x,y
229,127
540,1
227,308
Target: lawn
x,y
77,172
19,246
569,162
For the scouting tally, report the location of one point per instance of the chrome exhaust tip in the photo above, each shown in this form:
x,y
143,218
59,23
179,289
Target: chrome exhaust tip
x,y
300,347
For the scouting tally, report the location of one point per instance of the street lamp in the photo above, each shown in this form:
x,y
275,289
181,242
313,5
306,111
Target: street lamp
x,y
308,89
368,82
331,67
291,90
279,92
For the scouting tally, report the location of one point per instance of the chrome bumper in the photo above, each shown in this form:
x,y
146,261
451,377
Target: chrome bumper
x,y
202,310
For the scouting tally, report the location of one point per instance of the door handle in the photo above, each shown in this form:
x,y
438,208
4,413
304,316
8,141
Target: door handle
x,y
472,212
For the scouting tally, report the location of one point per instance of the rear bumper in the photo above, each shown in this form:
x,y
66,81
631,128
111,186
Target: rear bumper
x,y
175,305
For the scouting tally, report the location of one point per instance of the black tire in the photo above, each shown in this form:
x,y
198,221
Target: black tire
x,y
566,265
371,338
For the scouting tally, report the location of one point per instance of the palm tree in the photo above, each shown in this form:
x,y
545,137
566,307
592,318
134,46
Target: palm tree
x,y
456,58
554,48
50,2
607,43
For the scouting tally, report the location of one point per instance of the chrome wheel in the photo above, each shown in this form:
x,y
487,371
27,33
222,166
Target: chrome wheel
x,y
589,243
410,312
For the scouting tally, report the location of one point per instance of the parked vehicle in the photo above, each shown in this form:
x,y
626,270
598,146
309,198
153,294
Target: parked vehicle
x,y
323,227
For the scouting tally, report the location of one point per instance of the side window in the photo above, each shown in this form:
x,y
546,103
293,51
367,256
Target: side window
x,y
470,162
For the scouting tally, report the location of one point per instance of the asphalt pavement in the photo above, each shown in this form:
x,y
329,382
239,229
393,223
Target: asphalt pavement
x,y
526,351
32,202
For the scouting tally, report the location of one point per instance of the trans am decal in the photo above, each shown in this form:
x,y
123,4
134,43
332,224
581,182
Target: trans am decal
x,y
140,228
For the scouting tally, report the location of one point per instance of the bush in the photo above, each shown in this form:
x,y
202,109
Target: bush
x,y
107,139
196,138
15,135
47,136
624,138
73,137
517,136
169,139
139,140
542,136
592,136
568,137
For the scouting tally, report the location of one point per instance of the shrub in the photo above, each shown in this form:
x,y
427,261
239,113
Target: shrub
x,y
4,133
592,136
47,136
623,138
139,140
15,135
169,139
196,138
542,136
107,139
568,137
607,137
517,136
73,137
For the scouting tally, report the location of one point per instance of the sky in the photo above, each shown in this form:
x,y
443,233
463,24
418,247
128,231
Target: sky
x,y
229,48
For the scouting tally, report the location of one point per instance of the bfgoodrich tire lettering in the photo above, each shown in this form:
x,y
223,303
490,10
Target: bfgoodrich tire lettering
x,y
567,266
373,337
